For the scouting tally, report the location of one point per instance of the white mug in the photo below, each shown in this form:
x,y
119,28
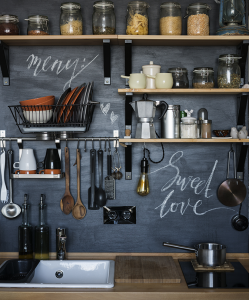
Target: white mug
x,y
27,161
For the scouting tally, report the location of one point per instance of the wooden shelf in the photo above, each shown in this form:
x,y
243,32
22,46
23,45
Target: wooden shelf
x,y
184,91
182,40
58,40
183,141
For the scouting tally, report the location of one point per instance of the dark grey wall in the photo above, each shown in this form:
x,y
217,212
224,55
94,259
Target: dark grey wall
x,y
186,224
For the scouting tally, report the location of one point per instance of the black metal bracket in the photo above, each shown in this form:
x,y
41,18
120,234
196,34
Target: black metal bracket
x,y
243,98
4,62
107,61
241,163
242,50
128,59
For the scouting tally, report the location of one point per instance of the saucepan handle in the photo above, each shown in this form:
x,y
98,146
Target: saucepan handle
x,y
179,247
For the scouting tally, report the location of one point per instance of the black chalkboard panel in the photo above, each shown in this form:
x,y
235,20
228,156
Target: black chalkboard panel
x,y
182,206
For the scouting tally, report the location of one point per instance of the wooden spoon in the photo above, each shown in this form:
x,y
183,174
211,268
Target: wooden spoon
x,y
79,210
67,202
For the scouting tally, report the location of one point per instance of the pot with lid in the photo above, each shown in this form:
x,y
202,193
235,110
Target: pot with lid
x,y
151,69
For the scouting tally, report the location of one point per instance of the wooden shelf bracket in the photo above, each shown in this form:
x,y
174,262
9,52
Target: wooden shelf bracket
x,y
4,62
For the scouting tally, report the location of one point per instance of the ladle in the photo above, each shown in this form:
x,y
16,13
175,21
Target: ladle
x,y
79,210
11,210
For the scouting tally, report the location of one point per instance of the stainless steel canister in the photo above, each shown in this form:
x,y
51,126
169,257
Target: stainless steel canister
x,y
170,126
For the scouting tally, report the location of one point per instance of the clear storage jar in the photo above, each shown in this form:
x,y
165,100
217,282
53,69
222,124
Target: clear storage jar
x,y
198,19
206,129
104,21
180,78
229,73
170,18
137,18
9,25
188,126
203,78
37,25
71,22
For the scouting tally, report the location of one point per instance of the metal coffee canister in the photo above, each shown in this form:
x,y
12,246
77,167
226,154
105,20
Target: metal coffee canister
x,y
170,126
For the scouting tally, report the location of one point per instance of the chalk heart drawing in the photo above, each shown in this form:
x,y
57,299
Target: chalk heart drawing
x,y
198,186
104,108
113,117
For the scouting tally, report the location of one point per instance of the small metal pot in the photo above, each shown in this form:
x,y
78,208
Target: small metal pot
x,y
207,254
210,280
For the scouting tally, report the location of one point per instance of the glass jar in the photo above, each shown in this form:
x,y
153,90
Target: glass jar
x,y
202,114
104,21
9,25
180,78
206,129
198,19
188,126
203,78
229,74
37,25
170,18
71,22
137,18
198,132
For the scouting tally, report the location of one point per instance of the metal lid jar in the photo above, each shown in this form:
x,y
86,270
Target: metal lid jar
x,y
206,129
188,126
180,78
198,19
137,18
37,25
170,18
229,73
9,25
203,78
104,21
71,22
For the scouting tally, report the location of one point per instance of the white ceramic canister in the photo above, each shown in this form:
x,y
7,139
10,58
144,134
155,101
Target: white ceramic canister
x,y
151,70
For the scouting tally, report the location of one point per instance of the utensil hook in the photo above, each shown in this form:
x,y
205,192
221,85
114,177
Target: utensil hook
x,y
105,144
100,144
66,142
234,162
78,144
85,146
109,149
92,144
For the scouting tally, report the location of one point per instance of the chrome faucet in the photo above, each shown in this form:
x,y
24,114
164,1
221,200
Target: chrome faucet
x,y
61,239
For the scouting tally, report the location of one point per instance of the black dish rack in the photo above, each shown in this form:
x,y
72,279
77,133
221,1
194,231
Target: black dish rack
x,y
53,118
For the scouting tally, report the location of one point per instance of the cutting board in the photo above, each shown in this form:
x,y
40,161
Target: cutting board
x,y
146,269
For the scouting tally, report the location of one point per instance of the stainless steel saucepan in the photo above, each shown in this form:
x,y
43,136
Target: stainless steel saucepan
x,y
207,254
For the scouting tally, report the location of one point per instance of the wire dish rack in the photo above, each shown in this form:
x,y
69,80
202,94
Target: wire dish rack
x,y
53,118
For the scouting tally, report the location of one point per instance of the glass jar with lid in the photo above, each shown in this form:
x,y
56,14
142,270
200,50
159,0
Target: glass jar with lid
x,y
137,18
180,78
37,25
203,78
9,25
170,18
71,22
104,21
229,73
198,19
188,126
206,129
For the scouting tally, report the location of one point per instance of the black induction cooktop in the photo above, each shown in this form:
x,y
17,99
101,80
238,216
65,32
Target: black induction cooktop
x,y
239,278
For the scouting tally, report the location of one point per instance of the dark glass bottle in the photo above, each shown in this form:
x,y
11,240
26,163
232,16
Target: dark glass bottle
x,y
25,233
42,234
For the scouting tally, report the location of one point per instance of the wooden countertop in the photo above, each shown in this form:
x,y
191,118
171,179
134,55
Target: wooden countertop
x,y
131,291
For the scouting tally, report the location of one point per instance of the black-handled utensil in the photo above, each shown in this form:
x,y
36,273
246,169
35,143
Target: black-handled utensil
x,y
101,198
92,205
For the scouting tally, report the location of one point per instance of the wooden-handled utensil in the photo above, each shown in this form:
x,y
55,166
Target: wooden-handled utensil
x,y
67,202
79,210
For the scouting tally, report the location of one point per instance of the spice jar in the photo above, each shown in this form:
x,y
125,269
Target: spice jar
x,y
198,19
104,21
180,78
37,25
9,25
188,126
137,18
170,18
71,22
203,78
229,71
206,129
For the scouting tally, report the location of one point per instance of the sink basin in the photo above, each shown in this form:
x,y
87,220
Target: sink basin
x,y
70,274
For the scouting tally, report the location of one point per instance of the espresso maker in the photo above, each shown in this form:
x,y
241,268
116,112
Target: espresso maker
x,y
145,112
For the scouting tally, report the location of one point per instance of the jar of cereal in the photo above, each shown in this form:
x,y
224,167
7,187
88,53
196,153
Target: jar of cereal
x,y
137,18
198,19
170,18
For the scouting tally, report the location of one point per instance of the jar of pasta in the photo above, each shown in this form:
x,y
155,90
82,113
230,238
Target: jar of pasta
x,y
137,18
198,19
170,18
71,22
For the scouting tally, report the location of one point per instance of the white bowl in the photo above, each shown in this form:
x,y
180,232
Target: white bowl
x,y
40,116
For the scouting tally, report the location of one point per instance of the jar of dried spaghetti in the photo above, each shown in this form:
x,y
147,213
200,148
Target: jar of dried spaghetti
x,y
137,18
71,22
198,19
170,18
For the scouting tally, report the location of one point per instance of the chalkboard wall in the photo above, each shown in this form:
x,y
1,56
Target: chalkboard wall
x,y
176,210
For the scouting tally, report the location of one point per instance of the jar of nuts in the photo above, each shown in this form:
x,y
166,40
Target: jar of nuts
x,y
170,18
203,78
104,21
180,78
37,25
71,22
198,19
229,73
9,25
137,18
